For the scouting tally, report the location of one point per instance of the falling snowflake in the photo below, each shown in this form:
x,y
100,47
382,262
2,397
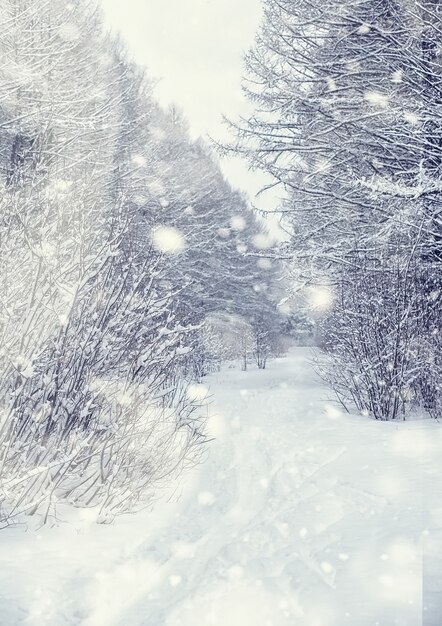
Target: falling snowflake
x,y
69,32
320,297
331,84
363,29
411,117
377,99
238,223
168,240
139,160
396,77
262,241
264,264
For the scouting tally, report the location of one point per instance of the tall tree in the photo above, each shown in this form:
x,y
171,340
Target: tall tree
x,y
347,121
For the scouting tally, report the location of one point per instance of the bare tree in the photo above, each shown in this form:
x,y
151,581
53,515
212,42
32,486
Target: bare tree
x,y
347,121
93,410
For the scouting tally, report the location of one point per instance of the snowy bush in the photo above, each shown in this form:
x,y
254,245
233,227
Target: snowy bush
x,y
93,409
100,417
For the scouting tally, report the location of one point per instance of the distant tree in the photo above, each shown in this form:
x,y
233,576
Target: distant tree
x,y
217,266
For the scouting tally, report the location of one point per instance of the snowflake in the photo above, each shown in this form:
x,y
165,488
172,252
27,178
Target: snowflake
x,y
168,240
320,298
157,188
224,233
238,223
377,99
331,84
363,29
396,77
262,241
411,117
264,264
139,160
69,32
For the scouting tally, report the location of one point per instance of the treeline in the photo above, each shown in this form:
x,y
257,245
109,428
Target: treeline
x,y
348,100
118,237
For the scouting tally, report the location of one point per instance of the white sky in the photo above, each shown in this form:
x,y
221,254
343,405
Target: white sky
x,y
196,49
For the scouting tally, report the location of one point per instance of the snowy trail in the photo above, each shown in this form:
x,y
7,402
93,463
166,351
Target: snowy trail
x,y
300,516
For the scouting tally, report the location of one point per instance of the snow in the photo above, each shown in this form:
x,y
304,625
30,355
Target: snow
x,y
301,515
238,223
377,99
320,297
168,240
396,77
411,117
262,241
364,29
264,264
198,392
69,32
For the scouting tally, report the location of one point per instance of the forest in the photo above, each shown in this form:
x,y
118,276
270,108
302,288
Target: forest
x,y
348,104
130,268
126,263
279,375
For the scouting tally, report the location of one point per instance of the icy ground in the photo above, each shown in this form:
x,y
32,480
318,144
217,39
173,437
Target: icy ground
x,y
301,516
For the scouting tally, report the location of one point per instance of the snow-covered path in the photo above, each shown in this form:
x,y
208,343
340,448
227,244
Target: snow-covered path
x,y
300,516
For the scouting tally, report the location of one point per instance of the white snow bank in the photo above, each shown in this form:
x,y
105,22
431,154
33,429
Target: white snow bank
x,y
301,516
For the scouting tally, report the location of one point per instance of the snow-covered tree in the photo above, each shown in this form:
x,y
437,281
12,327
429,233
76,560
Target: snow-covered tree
x,y
347,121
119,236
212,234
93,410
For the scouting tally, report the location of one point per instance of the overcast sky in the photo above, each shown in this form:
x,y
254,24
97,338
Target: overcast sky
x,y
196,49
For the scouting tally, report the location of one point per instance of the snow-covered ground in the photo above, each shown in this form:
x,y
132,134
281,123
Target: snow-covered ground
x,y
300,516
